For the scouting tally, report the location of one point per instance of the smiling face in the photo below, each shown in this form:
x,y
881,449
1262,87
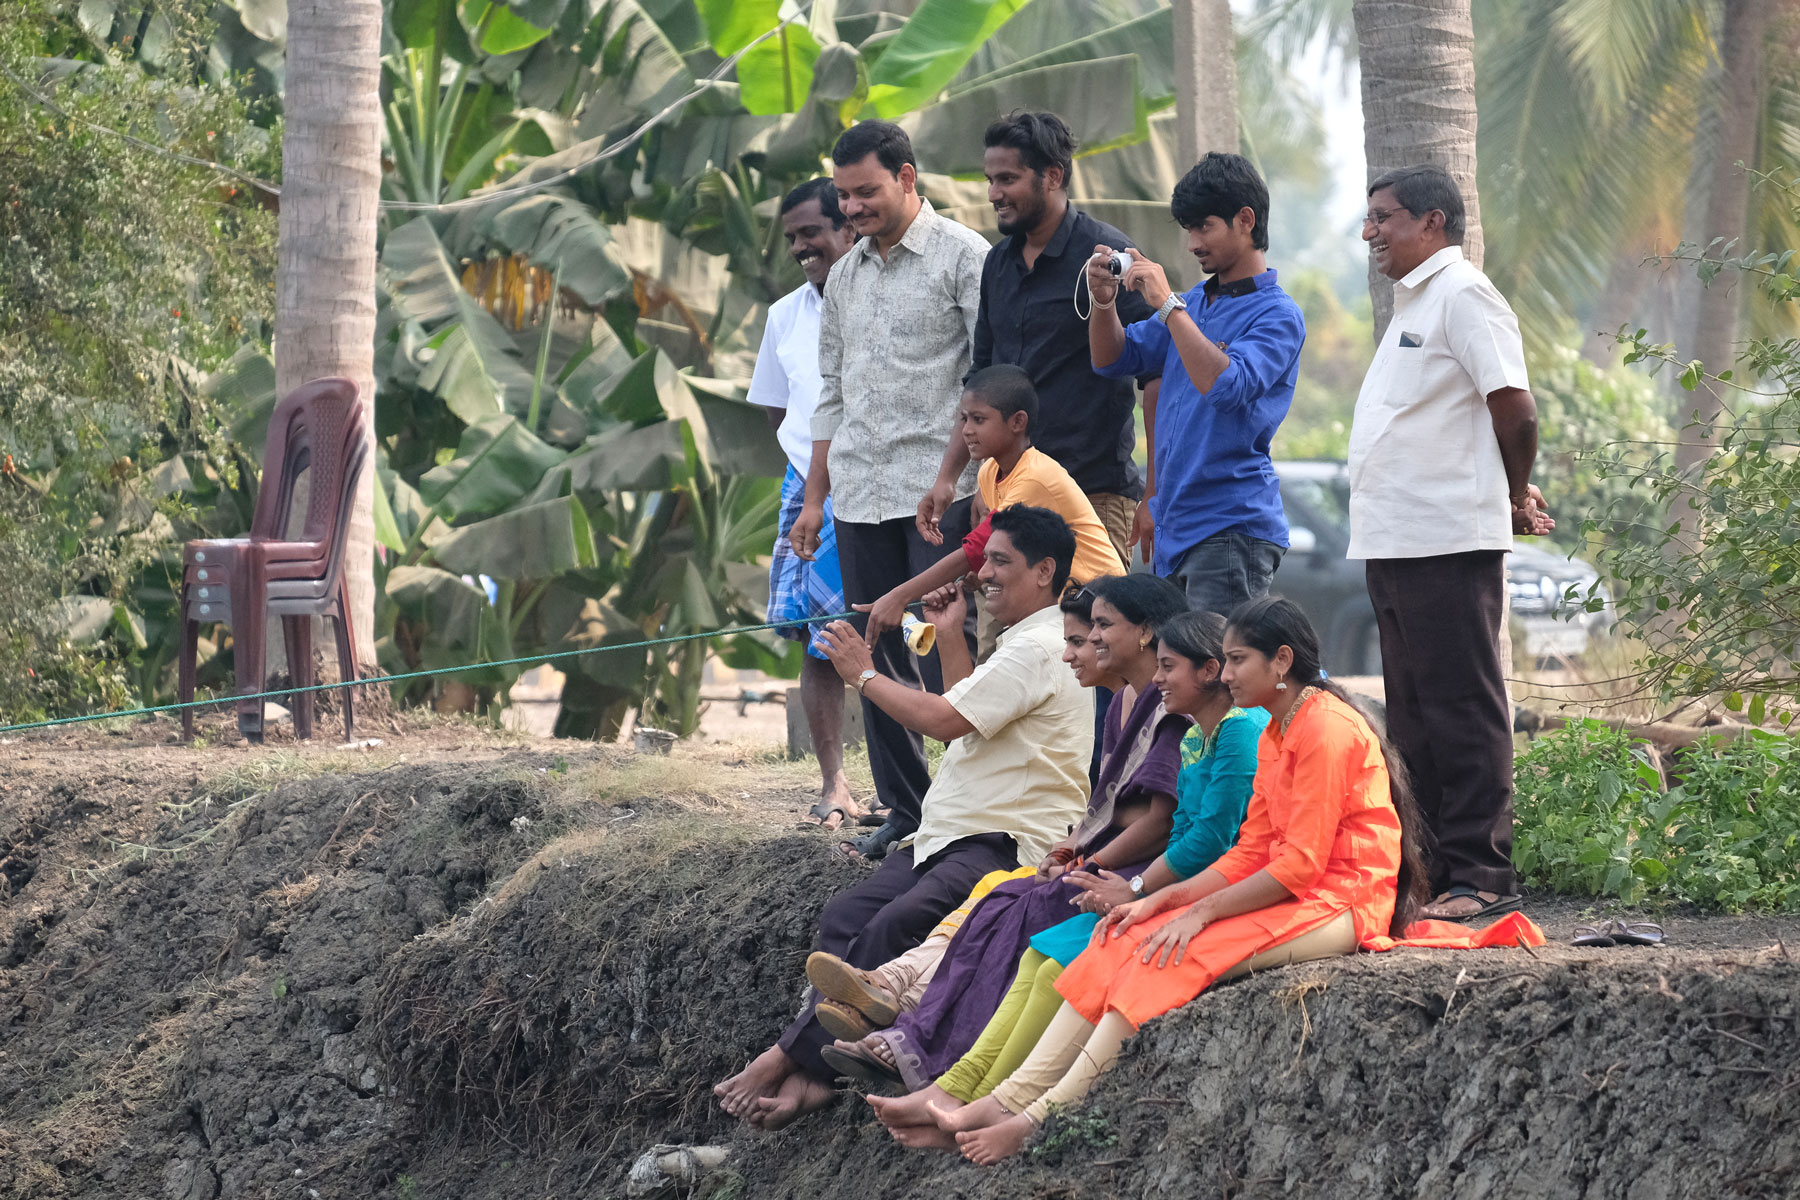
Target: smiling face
x,y
1186,688
1120,644
1252,675
813,242
1217,244
1018,194
1013,590
1078,651
876,202
984,431
1399,240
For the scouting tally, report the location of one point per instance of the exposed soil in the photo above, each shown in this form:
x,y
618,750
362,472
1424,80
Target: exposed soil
x,y
468,965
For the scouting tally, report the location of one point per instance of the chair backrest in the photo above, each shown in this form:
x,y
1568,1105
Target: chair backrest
x,y
315,429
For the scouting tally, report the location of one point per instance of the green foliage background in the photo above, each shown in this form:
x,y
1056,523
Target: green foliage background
x,y
124,277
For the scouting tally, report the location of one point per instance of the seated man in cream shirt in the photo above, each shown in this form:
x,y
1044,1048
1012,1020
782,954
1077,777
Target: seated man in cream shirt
x,y
1012,782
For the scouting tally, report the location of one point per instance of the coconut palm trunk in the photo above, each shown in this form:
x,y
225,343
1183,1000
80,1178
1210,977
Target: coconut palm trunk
x,y
1418,97
330,193
1740,106
1206,108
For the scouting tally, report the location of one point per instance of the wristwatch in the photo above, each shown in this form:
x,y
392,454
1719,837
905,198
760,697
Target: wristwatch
x,y
1137,885
1168,306
862,681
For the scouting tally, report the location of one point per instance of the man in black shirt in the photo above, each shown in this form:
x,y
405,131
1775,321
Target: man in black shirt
x,y
1028,318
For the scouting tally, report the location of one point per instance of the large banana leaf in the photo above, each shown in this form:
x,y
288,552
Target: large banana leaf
x,y
733,24
1101,100
561,234
652,459
473,362
742,441
775,76
532,541
244,390
931,48
1151,37
497,464
640,68
456,613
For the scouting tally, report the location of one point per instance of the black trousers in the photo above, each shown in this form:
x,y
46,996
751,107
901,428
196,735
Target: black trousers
x,y
888,914
875,559
1447,708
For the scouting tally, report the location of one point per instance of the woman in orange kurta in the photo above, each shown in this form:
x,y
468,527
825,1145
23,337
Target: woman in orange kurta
x,y
1326,860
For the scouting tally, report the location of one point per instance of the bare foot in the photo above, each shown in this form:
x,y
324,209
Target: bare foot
x,y
923,1137
800,1094
898,1111
979,1115
985,1147
758,1081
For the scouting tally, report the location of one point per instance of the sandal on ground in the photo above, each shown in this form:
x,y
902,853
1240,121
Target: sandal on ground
x,y
1619,933
843,1022
860,1063
830,817
871,846
837,980
1594,935
1498,906
1637,933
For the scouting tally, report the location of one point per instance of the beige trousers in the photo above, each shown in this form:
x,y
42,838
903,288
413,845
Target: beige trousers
x,y
1073,1053
909,975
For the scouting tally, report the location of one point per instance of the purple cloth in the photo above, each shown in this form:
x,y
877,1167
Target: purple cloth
x,y
983,957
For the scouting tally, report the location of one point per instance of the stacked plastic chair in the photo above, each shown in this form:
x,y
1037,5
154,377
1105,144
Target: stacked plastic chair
x,y
243,582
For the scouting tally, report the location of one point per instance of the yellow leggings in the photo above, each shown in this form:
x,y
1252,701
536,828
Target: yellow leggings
x,y
1016,1027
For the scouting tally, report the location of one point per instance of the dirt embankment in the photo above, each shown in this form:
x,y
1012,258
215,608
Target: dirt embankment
x,y
466,971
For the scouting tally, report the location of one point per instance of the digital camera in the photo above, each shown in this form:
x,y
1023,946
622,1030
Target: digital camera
x,y
1120,262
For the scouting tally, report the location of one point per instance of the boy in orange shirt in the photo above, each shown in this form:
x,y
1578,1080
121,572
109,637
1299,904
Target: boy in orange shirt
x,y
998,411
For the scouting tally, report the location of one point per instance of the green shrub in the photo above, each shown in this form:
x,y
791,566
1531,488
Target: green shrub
x,y
1593,820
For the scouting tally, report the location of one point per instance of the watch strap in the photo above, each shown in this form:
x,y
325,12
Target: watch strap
x,y
1170,305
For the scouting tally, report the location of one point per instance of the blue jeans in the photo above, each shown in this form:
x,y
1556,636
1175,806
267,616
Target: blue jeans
x,y
1225,570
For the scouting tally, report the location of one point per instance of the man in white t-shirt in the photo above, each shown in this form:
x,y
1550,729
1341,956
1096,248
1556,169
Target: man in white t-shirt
x,y
1440,466
786,382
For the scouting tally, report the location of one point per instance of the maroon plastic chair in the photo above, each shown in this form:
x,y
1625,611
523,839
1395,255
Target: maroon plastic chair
x,y
242,582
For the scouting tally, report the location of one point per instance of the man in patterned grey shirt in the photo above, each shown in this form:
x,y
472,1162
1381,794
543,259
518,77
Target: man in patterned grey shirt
x,y
894,345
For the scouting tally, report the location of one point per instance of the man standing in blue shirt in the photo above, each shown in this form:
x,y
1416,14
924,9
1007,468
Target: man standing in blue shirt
x,y
1229,351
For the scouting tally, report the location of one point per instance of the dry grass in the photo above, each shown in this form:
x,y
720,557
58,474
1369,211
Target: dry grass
x,y
290,894
1294,996
1603,682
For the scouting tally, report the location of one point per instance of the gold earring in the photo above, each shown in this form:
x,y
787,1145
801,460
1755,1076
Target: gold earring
x,y
1281,685
1144,642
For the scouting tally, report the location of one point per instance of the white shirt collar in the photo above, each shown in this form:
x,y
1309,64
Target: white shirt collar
x,y
1431,266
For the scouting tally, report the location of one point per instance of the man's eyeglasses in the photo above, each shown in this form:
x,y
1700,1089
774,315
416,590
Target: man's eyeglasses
x,y
1379,216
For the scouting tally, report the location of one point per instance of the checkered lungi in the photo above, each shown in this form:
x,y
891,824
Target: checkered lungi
x,y
799,589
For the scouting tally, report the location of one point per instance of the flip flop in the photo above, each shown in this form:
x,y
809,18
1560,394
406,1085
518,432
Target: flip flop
x,y
860,1064
1594,935
1489,908
1639,933
871,846
820,815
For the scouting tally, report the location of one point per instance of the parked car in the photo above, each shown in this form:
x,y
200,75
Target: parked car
x,y
1316,576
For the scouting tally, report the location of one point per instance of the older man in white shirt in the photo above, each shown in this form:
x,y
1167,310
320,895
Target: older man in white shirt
x,y
786,383
1441,451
